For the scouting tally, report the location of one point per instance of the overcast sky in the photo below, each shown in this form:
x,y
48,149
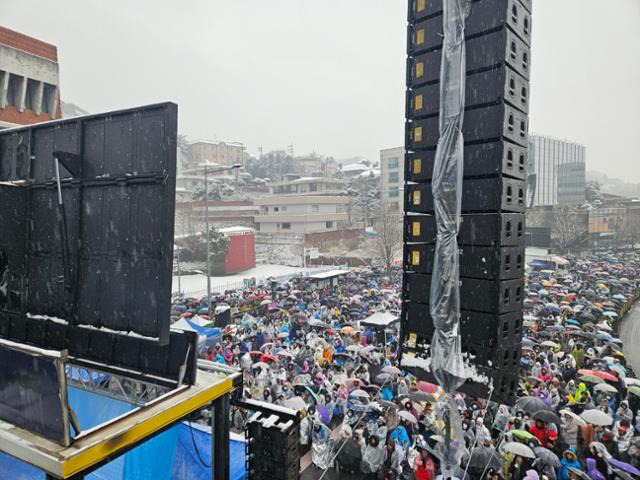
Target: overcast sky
x,y
328,75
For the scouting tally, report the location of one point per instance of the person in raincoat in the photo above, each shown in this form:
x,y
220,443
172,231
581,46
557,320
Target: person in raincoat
x,y
320,445
569,460
373,455
581,392
592,470
578,355
400,434
306,424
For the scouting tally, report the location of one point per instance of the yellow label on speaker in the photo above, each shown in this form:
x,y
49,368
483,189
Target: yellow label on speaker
x,y
417,134
416,197
415,228
420,6
420,36
417,166
417,102
415,258
411,342
419,69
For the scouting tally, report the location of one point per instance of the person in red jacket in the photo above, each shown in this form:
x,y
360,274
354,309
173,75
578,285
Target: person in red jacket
x,y
540,431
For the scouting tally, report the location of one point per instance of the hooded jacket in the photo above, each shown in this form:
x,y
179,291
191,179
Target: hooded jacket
x,y
592,470
563,474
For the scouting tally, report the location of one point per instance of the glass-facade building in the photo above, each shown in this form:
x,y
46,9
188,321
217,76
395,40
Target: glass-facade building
x,y
560,170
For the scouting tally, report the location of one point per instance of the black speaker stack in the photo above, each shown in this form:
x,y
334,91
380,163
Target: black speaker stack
x,y
272,447
492,231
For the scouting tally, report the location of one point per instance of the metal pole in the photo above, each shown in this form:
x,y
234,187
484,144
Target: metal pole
x,y
207,239
179,279
220,439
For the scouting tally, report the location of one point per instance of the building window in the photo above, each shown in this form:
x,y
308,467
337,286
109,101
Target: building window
x,y
315,208
393,177
286,226
276,209
394,206
13,92
283,209
313,187
329,224
392,162
394,192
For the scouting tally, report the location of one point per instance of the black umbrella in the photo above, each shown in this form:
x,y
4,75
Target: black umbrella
x,y
531,404
547,457
547,416
484,457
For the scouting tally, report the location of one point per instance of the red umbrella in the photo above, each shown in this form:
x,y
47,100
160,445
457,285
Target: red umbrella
x,y
266,358
427,387
599,373
186,314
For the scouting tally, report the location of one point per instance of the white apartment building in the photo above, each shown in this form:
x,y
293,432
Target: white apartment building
x,y
309,186
301,214
392,178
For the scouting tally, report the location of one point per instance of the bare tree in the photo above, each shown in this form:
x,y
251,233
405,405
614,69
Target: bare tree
x,y
568,227
389,240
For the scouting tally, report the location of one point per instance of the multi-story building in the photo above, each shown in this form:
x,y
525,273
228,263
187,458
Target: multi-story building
x,y
301,213
392,178
309,186
559,167
224,153
29,80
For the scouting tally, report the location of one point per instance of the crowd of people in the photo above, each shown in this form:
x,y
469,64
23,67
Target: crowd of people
x,y
578,410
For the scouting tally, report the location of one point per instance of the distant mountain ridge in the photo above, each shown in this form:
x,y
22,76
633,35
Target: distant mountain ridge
x,y
614,186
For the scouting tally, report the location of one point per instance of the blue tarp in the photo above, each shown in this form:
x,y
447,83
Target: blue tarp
x,y
168,456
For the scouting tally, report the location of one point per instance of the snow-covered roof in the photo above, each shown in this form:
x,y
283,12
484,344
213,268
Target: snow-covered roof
x,y
354,167
238,229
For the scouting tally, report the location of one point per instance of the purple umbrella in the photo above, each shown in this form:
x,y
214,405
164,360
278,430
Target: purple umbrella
x,y
625,467
324,413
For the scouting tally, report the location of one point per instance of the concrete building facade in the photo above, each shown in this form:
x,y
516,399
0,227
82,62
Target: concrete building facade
x,y
309,186
224,153
392,178
560,170
301,213
29,80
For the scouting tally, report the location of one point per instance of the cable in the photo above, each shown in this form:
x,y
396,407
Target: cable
x,y
195,446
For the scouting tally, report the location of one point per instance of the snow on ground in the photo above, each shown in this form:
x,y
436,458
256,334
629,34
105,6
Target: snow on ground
x,y
196,285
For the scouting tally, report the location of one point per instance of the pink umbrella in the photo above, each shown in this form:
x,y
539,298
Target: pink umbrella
x,y
353,383
427,387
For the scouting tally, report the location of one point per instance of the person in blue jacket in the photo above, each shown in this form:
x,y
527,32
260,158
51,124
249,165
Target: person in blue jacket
x,y
400,434
569,459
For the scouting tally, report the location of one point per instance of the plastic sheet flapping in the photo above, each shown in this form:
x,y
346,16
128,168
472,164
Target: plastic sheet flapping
x,y
446,353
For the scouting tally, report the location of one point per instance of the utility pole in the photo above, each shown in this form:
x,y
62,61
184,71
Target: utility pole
x,y
207,239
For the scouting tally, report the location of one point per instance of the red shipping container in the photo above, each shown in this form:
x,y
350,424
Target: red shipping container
x,y
242,249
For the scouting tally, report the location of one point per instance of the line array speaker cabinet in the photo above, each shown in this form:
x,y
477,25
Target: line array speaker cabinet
x,y
272,448
492,231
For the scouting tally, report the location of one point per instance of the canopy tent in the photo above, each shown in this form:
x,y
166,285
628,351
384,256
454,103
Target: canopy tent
x,y
380,319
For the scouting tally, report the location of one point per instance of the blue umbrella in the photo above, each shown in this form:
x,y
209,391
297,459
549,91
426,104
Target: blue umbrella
x,y
527,342
572,321
604,336
324,413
